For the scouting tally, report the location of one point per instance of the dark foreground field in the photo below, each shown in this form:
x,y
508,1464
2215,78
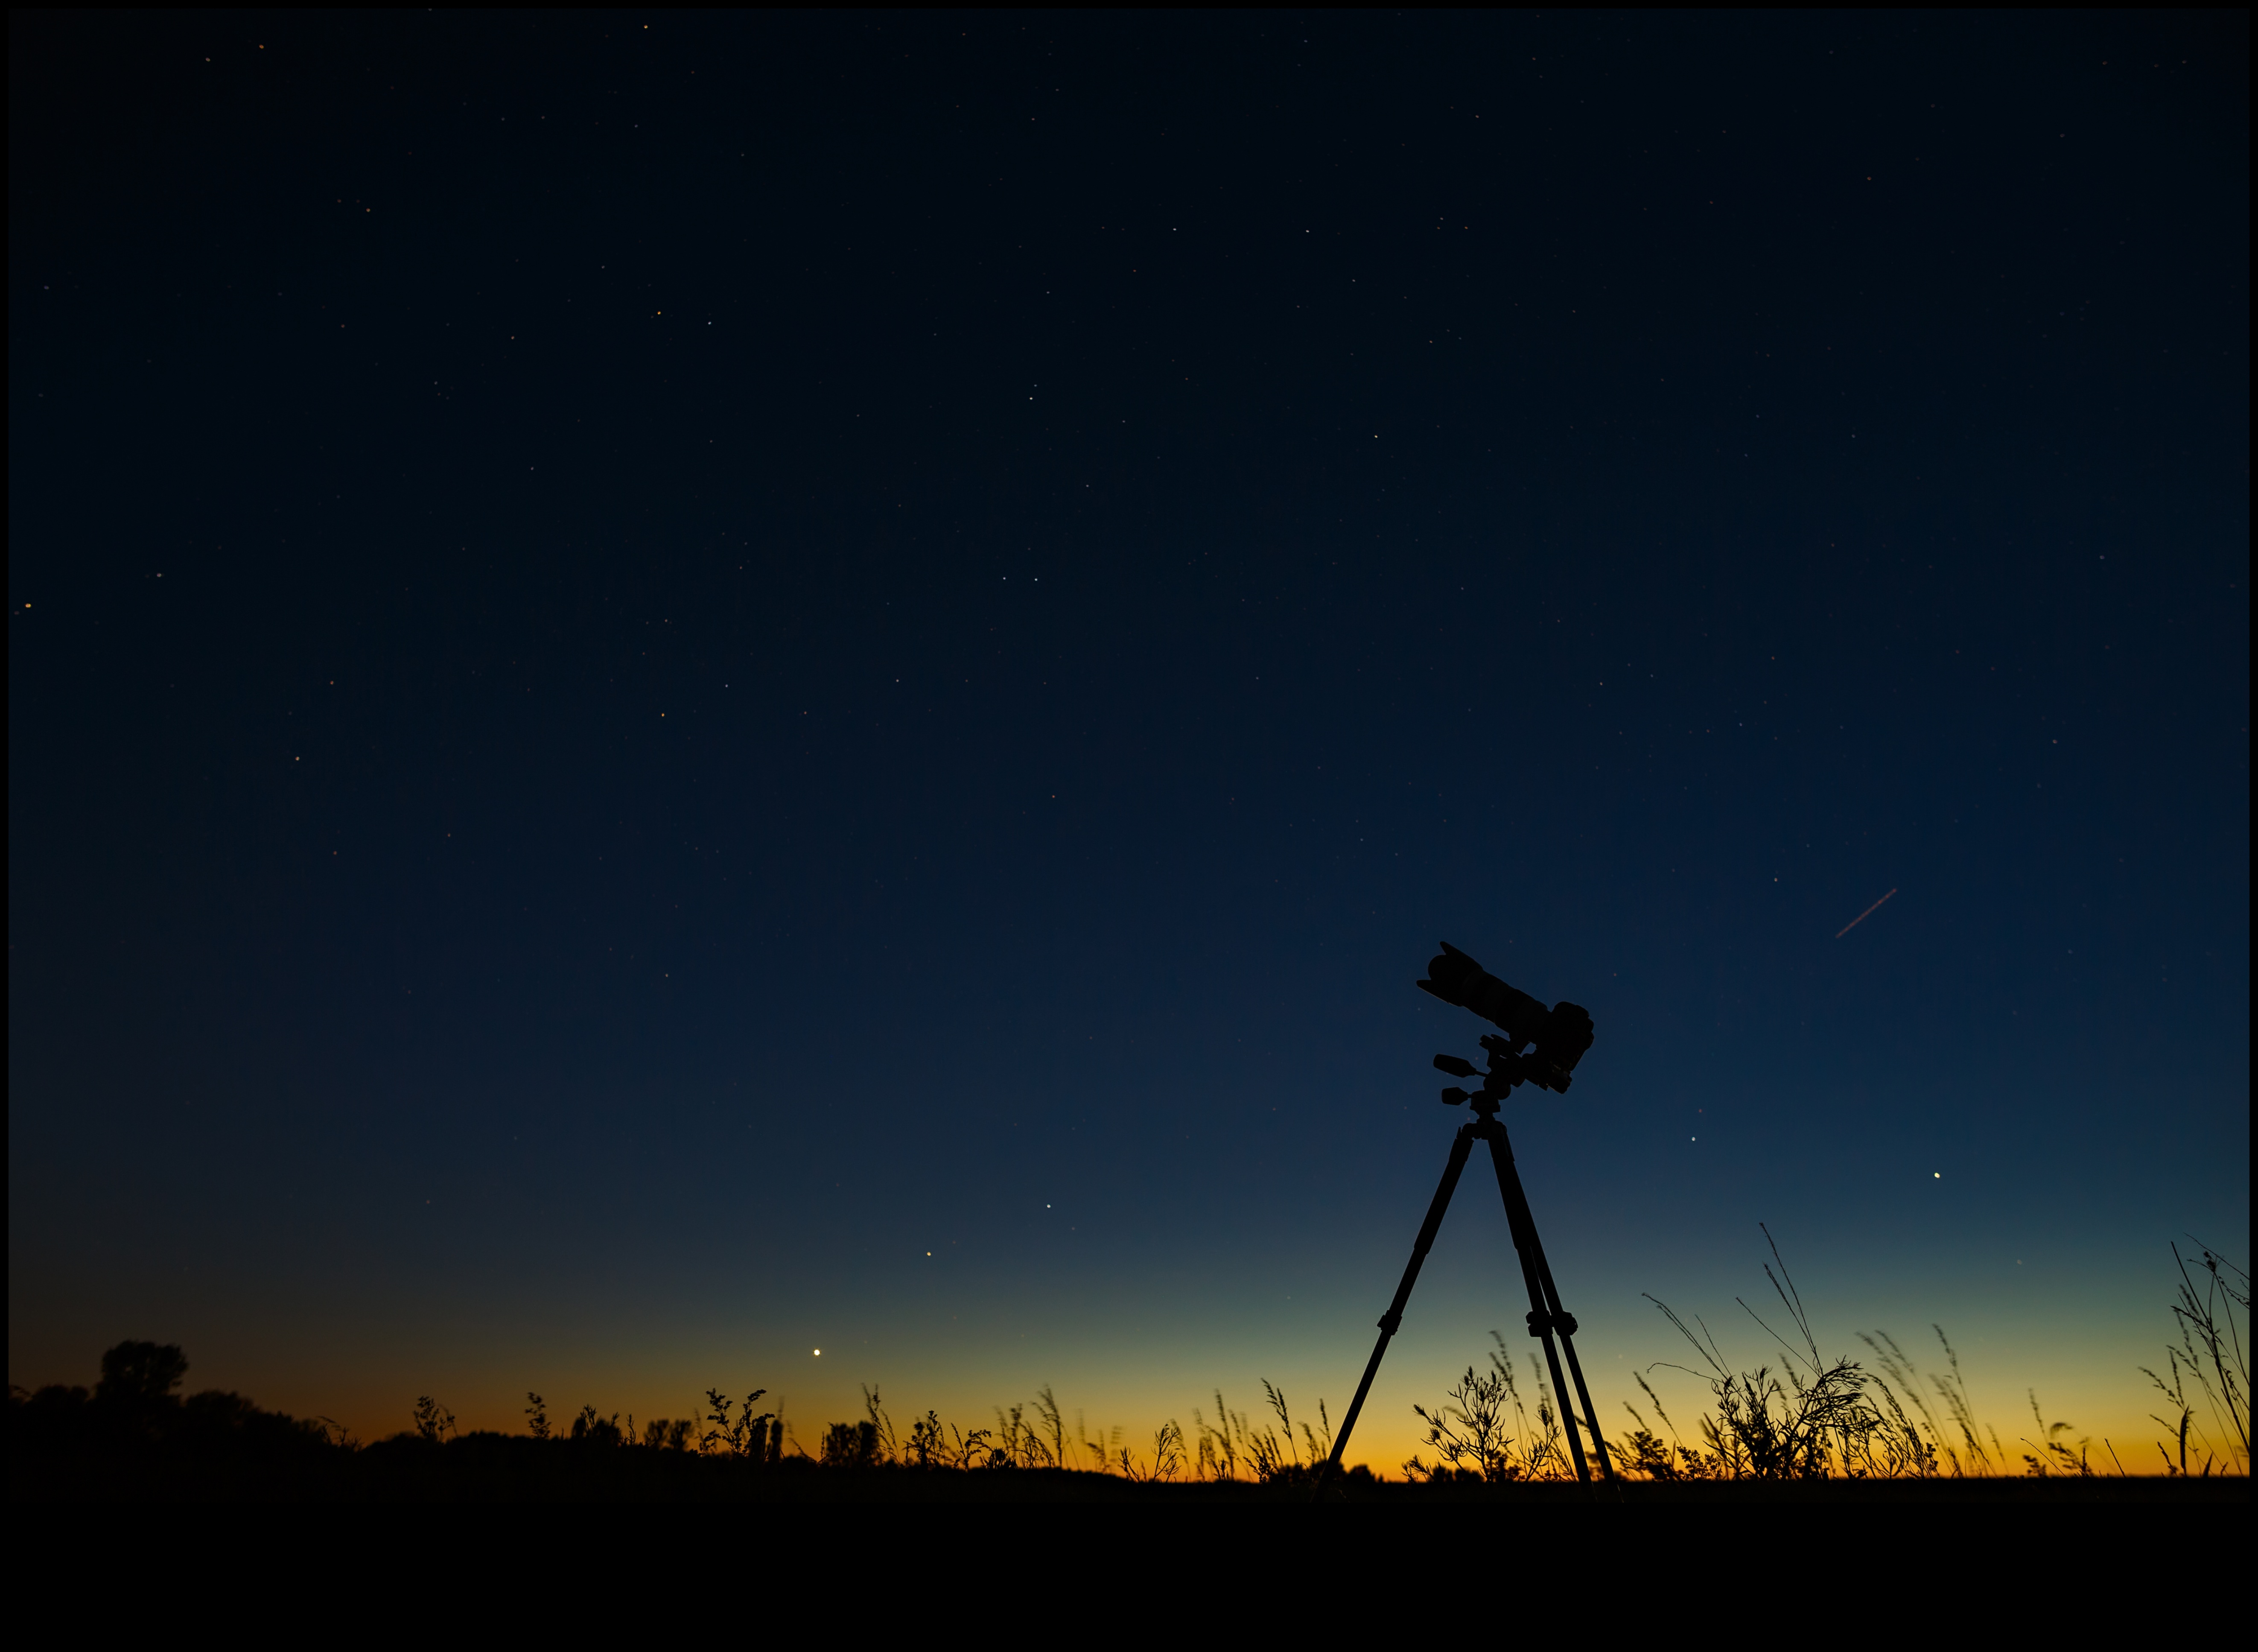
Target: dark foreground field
x,y
506,1468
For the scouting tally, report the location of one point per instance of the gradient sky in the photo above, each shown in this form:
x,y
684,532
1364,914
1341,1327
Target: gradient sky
x,y
687,688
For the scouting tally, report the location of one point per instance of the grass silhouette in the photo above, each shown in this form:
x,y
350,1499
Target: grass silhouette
x,y
1807,1422
2214,1351
1813,1419
1818,1418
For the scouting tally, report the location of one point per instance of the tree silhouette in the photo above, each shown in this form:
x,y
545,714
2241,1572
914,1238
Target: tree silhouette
x,y
141,1375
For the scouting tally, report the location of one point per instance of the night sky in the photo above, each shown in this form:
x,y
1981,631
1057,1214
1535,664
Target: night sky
x,y
683,688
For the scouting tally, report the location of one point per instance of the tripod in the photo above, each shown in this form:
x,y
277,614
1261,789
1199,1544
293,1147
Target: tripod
x,y
1546,1316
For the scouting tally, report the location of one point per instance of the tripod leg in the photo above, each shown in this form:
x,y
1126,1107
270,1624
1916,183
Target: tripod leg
x,y
1542,1313
1461,1145
1566,1322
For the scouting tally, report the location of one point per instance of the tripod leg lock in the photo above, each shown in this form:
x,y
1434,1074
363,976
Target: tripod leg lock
x,y
1564,1322
1391,1322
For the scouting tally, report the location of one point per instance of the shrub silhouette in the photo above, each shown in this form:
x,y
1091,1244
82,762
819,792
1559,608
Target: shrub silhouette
x,y
1474,1439
851,1445
590,1430
758,1439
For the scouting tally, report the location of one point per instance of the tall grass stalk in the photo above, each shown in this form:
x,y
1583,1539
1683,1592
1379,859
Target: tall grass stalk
x,y
2214,1350
1968,1459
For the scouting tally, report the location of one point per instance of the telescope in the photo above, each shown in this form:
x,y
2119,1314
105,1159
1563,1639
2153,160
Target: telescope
x,y
1561,1034
1532,1046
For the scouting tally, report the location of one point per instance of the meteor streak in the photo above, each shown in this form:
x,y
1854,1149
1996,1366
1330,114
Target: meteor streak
x,y
1860,919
